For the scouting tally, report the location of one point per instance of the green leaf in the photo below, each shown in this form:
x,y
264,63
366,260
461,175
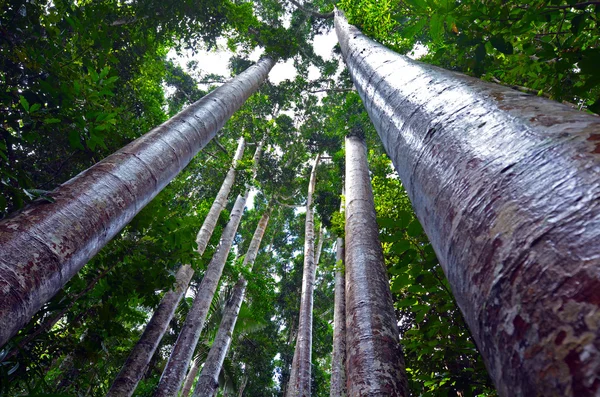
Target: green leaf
x,y
400,282
502,45
75,140
51,120
34,107
414,229
577,24
436,27
24,103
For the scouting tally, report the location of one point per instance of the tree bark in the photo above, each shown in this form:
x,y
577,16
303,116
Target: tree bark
x,y
175,370
137,362
212,217
319,245
48,324
506,187
300,377
208,383
338,359
189,379
374,362
47,243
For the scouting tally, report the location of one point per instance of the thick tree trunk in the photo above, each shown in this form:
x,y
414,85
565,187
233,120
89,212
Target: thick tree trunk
x,y
175,370
208,383
137,362
506,187
189,379
374,363
300,377
49,323
47,243
338,359
212,217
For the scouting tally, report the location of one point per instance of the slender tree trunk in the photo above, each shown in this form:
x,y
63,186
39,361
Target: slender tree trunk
x,y
137,362
47,243
212,217
174,373
319,245
374,363
506,187
189,379
208,383
338,360
300,377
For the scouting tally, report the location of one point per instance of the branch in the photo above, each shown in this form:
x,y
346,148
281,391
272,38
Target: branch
x,y
332,90
313,13
220,146
578,5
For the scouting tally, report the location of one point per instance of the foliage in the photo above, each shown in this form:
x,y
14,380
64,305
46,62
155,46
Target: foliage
x,y
544,47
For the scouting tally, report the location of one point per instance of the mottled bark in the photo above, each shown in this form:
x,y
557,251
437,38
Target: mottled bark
x,y
506,186
47,243
189,379
208,383
137,362
49,323
212,217
338,359
300,377
374,362
176,368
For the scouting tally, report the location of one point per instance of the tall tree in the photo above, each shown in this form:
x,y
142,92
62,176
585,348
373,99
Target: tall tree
x,y
338,359
87,211
220,201
138,360
504,186
175,371
300,377
208,382
374,363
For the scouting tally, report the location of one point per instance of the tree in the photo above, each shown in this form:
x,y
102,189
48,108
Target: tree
x,y
374,363
300,377
466,179
138,360
215,210
338,359
208,382
63,234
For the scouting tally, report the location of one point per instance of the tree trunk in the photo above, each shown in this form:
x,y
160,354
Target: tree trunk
x,y
208,383
319,245
212,217
175,370
189,379
374,363
137,362
48,324
338,360
300,377
47,243
506,187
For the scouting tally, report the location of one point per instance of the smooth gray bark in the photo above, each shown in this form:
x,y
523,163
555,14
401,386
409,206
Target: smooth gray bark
x,y
319,245
300,377
137,362
208,383
374,362
176,368
47,243
212,217
338,359
189,379
506,186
